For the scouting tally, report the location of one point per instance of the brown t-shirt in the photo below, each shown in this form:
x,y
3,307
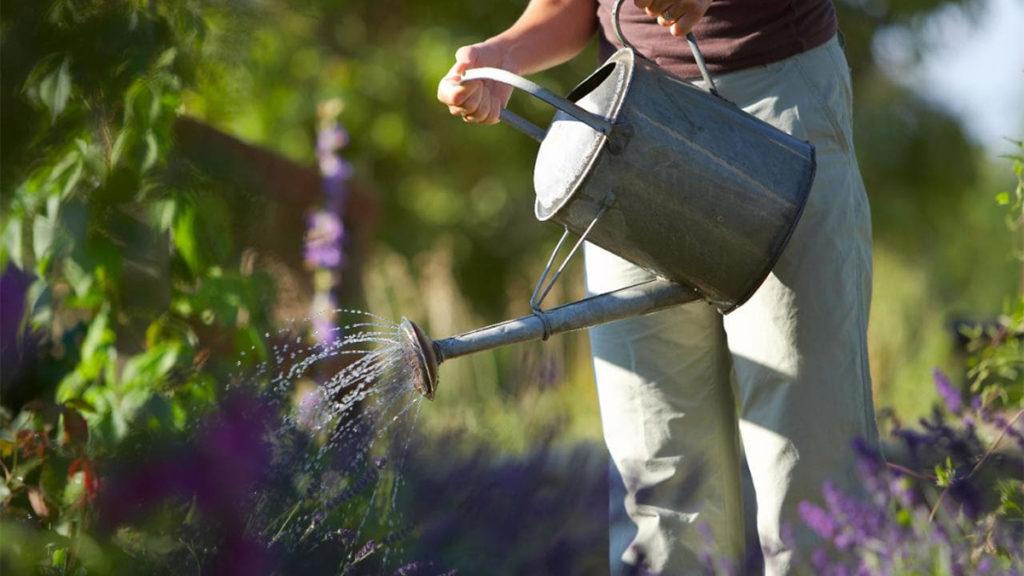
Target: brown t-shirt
x,y
733,35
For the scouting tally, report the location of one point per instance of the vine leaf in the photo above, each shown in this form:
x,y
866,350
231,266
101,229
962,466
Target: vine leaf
x,y
54,89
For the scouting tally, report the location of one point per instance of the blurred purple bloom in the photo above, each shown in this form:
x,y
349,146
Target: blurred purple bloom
x,y
949,393
819,559
323,240
818,520
964,493
219,468
330,139
334,168
17,346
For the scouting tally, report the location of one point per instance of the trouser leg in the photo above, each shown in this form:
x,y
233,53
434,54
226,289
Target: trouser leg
x,y
798,347
799,344
668,413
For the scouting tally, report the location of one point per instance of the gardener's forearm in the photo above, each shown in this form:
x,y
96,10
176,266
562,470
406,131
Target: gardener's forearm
x,y
548,33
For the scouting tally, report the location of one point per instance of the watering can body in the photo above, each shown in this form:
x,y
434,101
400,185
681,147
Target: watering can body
x,y
687,185
701,192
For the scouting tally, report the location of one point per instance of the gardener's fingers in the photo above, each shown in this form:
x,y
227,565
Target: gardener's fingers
x,y
496,105
484,113
475,104
451,91
475,95
685,22
680,16
476,101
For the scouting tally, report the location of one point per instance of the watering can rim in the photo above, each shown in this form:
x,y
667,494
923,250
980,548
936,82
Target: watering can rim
x,y
625,57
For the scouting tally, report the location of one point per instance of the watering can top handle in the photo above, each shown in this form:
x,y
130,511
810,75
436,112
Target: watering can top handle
x,y
698,56
596,122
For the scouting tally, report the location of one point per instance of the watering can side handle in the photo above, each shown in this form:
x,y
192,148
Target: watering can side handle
x,y
537,91
698,56
523,125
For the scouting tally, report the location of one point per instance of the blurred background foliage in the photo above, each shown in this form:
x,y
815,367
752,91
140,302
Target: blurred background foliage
x,y
144,294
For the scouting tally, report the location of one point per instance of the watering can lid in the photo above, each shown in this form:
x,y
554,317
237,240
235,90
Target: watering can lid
x,y
571,147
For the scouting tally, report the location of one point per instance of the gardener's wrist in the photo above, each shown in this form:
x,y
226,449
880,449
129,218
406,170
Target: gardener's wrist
x,y
507,52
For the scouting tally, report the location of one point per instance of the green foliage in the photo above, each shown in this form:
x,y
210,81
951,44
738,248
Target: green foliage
x,y
442,185
995,366
133,272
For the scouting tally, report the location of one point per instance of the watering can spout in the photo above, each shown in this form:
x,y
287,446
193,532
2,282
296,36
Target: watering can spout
x,y
643,298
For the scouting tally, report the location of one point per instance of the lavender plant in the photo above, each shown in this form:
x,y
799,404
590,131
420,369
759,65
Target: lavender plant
x,y
948,496
326,235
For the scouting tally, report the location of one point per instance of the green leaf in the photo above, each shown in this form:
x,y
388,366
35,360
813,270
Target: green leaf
x,y
92,157
98,337
163,214
152,151
1003,198
152,366
81,280
40,303
166,58
11,246
119,145
63,166
43,233
944,473
185,237
55,88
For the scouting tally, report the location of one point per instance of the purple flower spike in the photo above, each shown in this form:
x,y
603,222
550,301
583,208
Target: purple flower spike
x,y
950,395
817,520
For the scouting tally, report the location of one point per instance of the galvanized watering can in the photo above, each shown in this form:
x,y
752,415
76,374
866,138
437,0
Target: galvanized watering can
x,y
662,173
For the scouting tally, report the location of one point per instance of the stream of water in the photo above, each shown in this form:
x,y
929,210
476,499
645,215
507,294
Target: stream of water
x,y
337,454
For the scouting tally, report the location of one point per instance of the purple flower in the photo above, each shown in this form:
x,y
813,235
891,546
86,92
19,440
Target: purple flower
x,y
331,138
218,470
323,240
17,346
818,520
949,393
334,168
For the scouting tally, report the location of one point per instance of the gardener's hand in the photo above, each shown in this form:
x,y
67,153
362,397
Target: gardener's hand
x,y
476,101
679,16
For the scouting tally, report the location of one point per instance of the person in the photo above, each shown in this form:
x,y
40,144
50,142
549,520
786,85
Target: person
x,y
782,383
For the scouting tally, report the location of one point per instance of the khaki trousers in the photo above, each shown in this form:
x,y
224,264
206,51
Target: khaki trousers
x,y
685,394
